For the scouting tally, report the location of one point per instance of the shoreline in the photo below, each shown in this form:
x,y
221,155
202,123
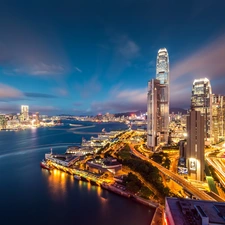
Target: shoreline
x,y
117,191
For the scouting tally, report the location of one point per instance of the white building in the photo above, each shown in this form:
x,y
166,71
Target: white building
x,y
25,112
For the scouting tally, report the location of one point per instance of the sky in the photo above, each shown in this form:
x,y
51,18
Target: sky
x,y
84,57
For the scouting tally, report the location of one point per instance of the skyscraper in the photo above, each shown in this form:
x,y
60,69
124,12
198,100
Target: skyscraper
x,y
25,112
218,114
195,145
158,102
162,74
153,113
201,101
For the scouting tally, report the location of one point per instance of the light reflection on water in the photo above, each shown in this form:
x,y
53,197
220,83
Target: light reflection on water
x,y
56,196
57,184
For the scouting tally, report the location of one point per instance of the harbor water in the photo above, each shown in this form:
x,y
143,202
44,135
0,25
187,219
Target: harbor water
x,y
34,196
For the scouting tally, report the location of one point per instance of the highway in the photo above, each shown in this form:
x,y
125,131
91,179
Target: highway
x,y
179,180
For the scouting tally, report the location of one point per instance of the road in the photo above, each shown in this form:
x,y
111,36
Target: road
x,y
179,180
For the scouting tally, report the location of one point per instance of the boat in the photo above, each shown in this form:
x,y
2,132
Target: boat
x,y
77,177
44,165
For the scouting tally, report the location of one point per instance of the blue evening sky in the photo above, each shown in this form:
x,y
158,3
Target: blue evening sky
x,y
96,56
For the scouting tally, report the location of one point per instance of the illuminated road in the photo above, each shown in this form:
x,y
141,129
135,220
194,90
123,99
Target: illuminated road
x,y
179,180
218,165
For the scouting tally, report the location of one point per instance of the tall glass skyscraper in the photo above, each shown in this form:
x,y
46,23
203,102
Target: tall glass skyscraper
x,y
201,100
158,102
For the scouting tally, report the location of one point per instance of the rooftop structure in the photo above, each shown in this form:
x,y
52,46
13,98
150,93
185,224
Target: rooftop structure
x,y
80,151
62,159
102,165
179,211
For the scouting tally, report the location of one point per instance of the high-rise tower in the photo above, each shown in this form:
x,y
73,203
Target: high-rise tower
x,y
158,102
201,101
25,112
153,115
162,74
195,145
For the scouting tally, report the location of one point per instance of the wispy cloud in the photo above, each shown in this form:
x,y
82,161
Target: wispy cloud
x,y
77,104
125,46
38,95
61,91
88,88
9,93
126,100
78,69
40,69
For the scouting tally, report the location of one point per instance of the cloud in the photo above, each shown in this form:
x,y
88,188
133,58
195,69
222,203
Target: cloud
x,y
26,51
40,69
9,108
9,93
205,62
61,91
38,95
88,88
77,104
77,69
125,47
44,109
128,49
126,100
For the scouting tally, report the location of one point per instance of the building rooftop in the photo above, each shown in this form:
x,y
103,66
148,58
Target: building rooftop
x,y
196,212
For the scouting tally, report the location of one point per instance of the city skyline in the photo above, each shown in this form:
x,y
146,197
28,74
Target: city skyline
x,y
83,60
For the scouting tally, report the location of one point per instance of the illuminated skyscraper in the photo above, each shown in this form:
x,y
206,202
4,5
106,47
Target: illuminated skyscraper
x,y
158,102
218,118
152,113
162,74
25,112
201,101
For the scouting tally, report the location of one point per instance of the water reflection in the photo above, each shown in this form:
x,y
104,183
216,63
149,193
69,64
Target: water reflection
x,y
57,184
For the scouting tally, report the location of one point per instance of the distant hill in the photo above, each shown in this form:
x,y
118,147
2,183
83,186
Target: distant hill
x,y
129,113
175,110
180,110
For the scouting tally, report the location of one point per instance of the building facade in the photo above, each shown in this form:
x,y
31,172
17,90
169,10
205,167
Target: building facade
x,y
201,101
25,112
162,74
158,102
153,114
195,145
218,116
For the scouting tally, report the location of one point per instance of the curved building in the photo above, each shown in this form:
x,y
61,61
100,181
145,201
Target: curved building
x,y
158,102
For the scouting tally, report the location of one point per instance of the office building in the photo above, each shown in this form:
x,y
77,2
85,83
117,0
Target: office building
x,y
162,74
153,130
218,116
189,211
201,101
158,102
25,112
195,145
